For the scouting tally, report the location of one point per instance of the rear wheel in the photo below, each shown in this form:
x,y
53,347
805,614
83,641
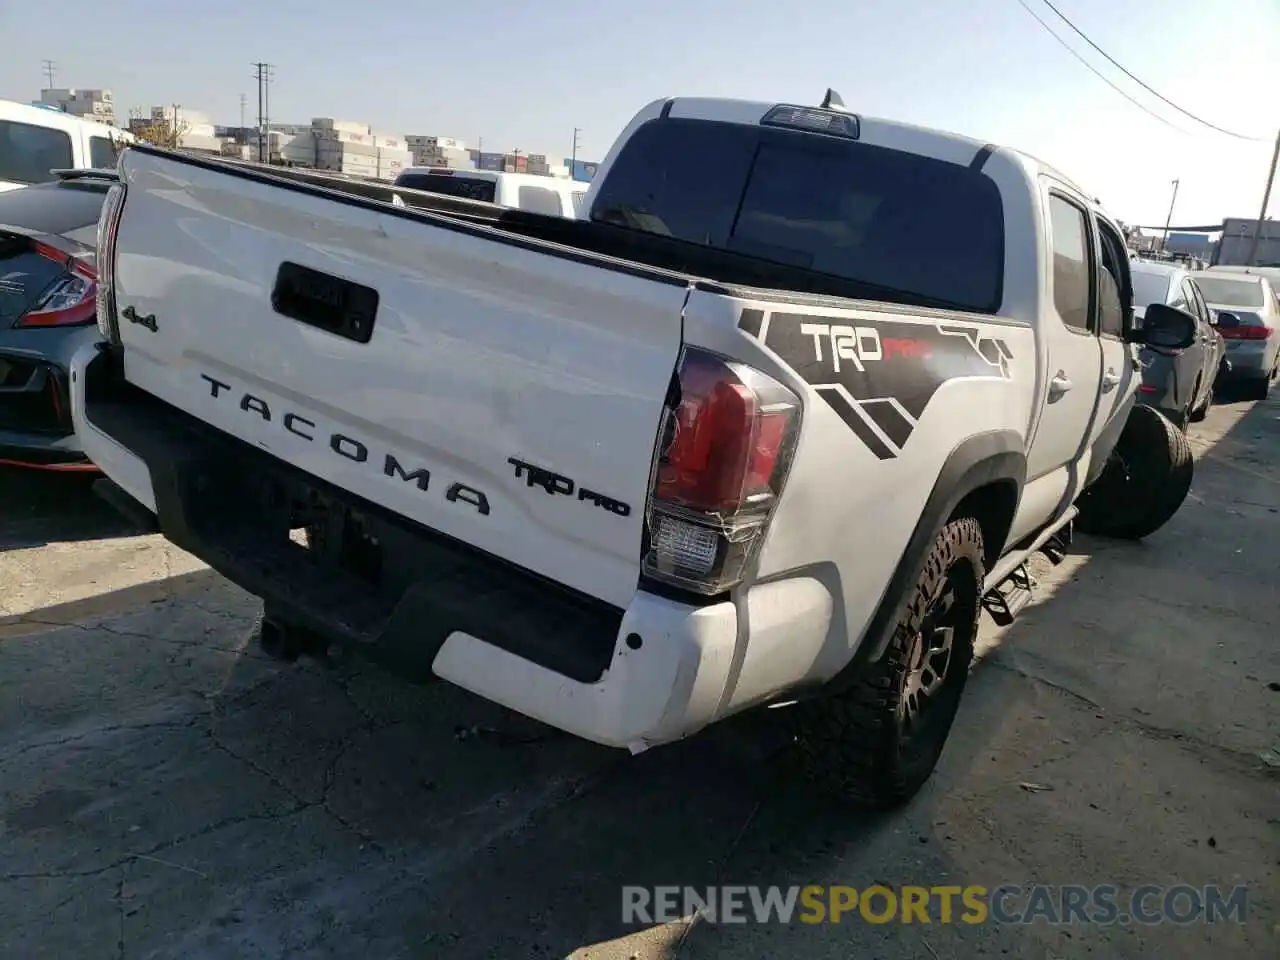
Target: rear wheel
x,y
1144,482
878,742
1260,389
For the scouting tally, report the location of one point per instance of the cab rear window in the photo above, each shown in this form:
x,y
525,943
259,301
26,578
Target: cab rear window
x,y
29,152
929,229
469,188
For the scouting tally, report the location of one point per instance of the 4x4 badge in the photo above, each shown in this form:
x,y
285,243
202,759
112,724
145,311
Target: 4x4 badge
x,y
147,320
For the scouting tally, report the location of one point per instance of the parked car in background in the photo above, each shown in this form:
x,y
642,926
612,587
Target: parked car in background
x,y
1178,383
48,283
1271,273
520,191
35,141
1248,319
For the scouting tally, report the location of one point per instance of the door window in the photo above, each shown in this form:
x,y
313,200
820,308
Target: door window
x,y
1072,263
1111,281
102,153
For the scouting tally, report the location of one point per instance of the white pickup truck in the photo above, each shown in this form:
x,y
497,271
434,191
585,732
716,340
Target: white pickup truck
x,y
799,393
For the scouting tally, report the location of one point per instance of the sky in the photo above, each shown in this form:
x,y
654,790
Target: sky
x,y
523,75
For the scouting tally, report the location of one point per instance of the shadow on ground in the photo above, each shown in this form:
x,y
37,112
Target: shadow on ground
x,y
167,792
39,507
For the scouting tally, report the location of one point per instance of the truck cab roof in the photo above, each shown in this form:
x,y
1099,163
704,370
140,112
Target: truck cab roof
x,y
926,141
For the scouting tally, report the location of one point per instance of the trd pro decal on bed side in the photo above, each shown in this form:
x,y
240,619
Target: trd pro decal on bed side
x,y
879,375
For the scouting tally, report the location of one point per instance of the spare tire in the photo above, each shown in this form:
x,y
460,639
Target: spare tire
x,y
1144,482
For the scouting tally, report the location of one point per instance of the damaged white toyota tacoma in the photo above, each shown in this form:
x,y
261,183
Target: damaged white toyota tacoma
x,y
796,398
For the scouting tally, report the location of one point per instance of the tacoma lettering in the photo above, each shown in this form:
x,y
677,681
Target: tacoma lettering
x,y
355,450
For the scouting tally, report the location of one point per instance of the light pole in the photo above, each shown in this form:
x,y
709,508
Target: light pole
x,y
1164,241
1266,199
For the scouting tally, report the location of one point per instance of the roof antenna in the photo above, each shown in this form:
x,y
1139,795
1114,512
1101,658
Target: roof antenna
x,y
832,101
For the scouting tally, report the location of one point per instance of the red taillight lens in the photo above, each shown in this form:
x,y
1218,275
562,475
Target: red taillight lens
x,y
70,300
724,452
1245,333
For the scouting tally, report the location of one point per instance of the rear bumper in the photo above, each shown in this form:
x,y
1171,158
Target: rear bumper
x,y
651,673
36,428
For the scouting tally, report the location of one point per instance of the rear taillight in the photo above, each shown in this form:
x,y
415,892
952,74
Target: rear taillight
x,y
1245,333
724,451
67,302
108,225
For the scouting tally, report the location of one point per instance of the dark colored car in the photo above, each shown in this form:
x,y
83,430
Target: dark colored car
x,y
1178,383
48,287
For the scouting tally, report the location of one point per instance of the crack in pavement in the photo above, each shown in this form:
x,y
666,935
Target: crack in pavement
x,y
244,652
163,845
1241,760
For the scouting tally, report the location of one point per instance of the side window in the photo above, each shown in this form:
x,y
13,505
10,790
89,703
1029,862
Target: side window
x,y
539,200
1180,300
1111,281
102,153
1194,303
28,153
1072,263
579,201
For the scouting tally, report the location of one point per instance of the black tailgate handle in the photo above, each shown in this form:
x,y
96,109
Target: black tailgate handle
x,y
341,307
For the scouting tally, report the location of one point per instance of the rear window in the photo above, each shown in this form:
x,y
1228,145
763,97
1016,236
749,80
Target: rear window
x,y
56,208
1149,288
1230,293
28,152
931,230
469,188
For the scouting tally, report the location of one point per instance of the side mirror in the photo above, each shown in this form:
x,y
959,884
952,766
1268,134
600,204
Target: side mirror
x,y
1168,327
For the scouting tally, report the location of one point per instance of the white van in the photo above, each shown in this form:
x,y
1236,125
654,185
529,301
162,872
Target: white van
x,y
34,140
554,196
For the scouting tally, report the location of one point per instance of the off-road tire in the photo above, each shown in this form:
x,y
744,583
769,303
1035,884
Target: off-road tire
x,y
852,742
1143,484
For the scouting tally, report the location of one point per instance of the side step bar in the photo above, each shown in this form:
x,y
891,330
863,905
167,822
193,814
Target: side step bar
x,y
1009,585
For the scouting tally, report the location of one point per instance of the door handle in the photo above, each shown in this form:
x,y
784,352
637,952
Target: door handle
x,y
1059,385
1109,380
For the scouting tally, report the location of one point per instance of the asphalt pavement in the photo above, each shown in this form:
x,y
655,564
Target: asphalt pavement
x,y
165,791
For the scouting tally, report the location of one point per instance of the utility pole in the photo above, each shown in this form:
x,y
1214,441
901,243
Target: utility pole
x,y
266,108
243,101
259,74
573,154
1164,241
177,131
1266,201
515,159
48,66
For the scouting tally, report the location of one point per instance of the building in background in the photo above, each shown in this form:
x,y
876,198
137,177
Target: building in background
x,y
191,129
581,169
87,104
1237,241
1193,244
340,146
448,152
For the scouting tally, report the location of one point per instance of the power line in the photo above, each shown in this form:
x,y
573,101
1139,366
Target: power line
x,y
1147,87
1098,73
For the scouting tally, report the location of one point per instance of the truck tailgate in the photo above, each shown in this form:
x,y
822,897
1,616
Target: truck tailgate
x,y
502,393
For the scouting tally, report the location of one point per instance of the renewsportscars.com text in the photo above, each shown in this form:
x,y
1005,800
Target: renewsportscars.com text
x,y
1005,904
